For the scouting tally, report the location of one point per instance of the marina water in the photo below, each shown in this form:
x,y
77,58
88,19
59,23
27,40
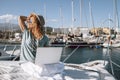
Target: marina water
x,y
86,54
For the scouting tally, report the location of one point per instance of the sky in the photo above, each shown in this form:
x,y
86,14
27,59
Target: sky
x,y
58,13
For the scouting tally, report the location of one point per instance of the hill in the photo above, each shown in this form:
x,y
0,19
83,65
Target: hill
x,y
9,27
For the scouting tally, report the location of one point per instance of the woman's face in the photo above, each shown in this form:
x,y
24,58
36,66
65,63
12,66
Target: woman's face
x,y
31,21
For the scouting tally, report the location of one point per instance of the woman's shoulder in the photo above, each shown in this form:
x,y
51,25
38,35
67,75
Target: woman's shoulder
x,y
45,36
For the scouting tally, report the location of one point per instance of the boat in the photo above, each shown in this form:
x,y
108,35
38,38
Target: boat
x,y
10,42
93,70
18,70
95,42
75,40
74,44
113,41
11,70
9,55
112,44
58,42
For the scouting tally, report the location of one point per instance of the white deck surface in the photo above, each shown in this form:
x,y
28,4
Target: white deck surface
x,y
10,70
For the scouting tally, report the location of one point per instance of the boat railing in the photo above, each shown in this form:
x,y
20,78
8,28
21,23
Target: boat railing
x,y
5,48
108,55
10,49
13,50
70,54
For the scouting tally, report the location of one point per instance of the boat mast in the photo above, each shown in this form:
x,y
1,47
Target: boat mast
x,y
72,17
109,25
81,13
61,20
116,19
45,17
91,17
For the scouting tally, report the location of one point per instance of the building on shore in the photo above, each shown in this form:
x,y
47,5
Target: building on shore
x,y
75,30
99,31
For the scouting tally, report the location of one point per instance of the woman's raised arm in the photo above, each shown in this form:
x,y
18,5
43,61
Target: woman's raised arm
x,y
21,22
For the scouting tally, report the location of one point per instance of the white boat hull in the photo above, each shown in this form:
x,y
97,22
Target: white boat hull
x,y
115,45
88,71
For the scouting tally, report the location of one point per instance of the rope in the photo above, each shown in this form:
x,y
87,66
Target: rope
x,y
108,51
13,50
5,48
115,64
110,62
70,54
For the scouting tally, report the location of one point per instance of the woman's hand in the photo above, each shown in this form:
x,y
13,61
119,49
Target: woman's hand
x,y
28,20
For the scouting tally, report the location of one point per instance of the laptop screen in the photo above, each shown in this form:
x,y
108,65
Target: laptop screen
x,y
48,55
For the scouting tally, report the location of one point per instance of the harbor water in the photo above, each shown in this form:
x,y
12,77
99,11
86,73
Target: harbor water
x,y
86,54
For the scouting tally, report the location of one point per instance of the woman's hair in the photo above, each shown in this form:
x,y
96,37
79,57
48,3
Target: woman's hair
x,y
38,30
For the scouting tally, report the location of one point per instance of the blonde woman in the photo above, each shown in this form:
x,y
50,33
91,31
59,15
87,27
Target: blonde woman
x,y
33,35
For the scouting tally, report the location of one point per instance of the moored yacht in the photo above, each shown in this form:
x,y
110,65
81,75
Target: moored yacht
x,y
50,68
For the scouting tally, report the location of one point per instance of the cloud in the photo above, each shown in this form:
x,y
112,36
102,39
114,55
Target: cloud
x,y
8,17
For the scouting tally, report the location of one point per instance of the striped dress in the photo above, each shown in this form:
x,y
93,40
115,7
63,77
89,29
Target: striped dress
x,y
29,45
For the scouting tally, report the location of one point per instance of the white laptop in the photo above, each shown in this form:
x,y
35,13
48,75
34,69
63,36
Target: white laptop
x,y
48,55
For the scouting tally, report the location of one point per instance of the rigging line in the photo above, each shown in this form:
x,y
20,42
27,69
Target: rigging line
x,y
106,55
108,51
83,9
116,60
5,48
115,56
110,59
18,54
116,18
70,54
116,64
13,50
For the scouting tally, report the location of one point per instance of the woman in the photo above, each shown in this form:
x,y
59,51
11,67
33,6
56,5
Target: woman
x,y
33,36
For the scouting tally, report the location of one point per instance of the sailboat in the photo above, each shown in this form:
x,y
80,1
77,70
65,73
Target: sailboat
x,y
113,42
76,40
60,39
50,68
